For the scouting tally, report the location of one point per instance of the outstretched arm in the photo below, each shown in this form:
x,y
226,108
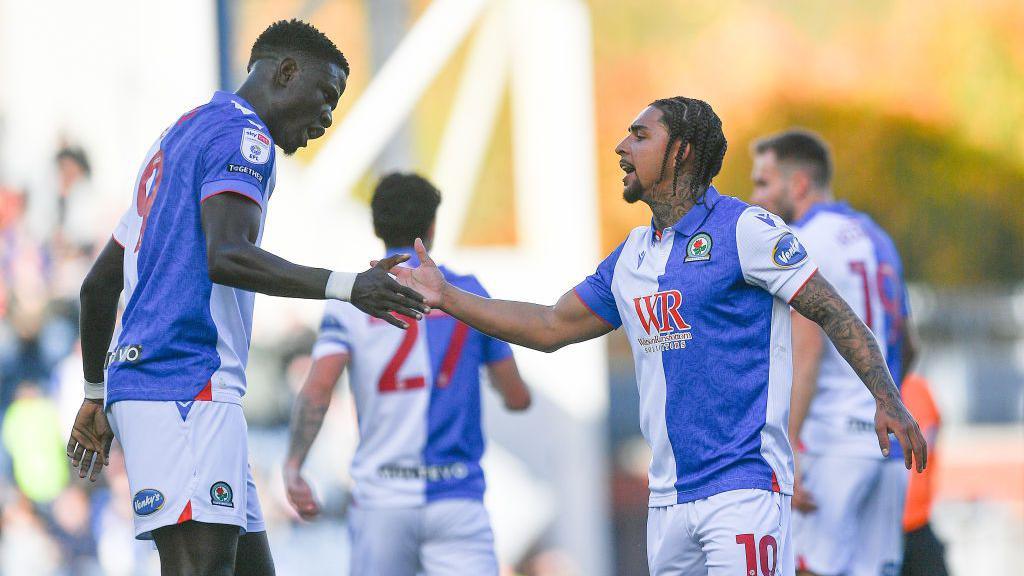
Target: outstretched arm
x,y
231,223
544,328
819,301
307,417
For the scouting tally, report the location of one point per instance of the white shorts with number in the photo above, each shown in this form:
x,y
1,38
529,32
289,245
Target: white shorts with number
x,y
186,461
734,533
443,538
857,529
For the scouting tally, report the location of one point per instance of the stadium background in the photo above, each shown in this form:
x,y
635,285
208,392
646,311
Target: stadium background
x,y
920,100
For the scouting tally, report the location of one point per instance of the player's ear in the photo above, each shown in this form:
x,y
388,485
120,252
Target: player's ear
x,y
287,70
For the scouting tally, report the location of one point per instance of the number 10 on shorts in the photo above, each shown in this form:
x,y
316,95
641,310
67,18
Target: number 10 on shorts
x,y
761,550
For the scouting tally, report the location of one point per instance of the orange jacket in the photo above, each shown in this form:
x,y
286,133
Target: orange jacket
x,y
917,397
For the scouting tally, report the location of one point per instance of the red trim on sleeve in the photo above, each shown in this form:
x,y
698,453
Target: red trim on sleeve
x,y
206,394
798,290
242,194
186,514
587,306
116,241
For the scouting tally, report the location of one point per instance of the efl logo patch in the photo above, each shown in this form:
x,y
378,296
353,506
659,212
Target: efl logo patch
x,y
221,495
255,146
660,318
698,248
147,501
788,252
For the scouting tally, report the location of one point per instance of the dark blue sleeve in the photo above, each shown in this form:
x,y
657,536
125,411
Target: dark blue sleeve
x,y
492,350
596,290
238,158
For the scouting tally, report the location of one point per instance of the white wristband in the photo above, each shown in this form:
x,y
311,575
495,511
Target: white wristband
x,y
339,285
95,391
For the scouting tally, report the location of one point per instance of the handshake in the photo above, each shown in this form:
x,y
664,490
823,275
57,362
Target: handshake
x,y
387,289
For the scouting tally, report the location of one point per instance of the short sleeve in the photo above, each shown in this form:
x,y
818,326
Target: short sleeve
x,y
493,349
333,336
240,159
122,230
771,256
596,290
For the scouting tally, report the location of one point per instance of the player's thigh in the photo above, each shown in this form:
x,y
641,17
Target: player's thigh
x,y
457,539
671,547
385,541
196,548
839,486
745,532
159,461
880,545
253,557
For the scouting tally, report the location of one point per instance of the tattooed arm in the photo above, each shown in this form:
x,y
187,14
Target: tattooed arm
x,y
819,301
307,417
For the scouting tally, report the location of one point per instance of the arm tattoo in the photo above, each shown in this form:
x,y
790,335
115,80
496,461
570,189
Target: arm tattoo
x,y
819,301
307,418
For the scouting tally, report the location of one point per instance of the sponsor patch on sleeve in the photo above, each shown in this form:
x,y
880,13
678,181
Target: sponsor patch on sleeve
x,y
245,170
788,252
255,146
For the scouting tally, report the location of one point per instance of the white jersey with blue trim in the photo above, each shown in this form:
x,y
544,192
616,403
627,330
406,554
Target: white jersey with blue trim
x,y
860,260
183,337
417,395
705,307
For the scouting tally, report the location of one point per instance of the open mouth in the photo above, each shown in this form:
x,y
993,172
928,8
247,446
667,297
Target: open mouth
x,y
626,167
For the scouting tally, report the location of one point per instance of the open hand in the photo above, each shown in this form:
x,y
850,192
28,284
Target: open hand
x,y
300,494
91,436
425,279
378,294
892,416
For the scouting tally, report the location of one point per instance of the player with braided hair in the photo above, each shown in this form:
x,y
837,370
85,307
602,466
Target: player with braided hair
x,y
704,294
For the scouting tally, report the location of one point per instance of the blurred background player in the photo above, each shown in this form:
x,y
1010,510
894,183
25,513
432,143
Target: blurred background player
x,y
923,552
702,292
846,492
188,259
418,483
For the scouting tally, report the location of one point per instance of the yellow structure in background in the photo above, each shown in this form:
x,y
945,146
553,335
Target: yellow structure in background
x,y
921,99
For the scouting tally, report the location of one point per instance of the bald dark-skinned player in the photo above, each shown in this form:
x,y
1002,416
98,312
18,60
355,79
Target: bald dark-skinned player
x,y
187,257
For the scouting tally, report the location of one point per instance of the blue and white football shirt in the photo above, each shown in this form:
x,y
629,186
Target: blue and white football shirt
x,y
182,336
417,395
861,261
705,307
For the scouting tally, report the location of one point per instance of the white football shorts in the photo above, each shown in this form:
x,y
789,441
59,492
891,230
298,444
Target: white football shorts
x,y
186,461
443,538
857,529
732,533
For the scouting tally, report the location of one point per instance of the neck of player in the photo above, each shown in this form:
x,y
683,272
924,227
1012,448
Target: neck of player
x,y
668,207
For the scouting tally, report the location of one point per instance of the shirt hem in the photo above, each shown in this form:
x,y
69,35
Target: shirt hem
x,y
684,496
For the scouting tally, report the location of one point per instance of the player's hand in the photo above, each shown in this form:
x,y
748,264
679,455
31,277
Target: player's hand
x,y
892,416
378,294
90,440
802,500
426,278
300,494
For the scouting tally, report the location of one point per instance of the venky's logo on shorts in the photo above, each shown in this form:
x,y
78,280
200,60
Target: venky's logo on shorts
x,y
147,501
221,495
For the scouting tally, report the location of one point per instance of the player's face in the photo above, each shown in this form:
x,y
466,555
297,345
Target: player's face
x,y
641,154
771,186
308,101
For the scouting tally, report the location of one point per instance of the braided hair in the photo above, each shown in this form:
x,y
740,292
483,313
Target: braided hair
x,y
693,122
